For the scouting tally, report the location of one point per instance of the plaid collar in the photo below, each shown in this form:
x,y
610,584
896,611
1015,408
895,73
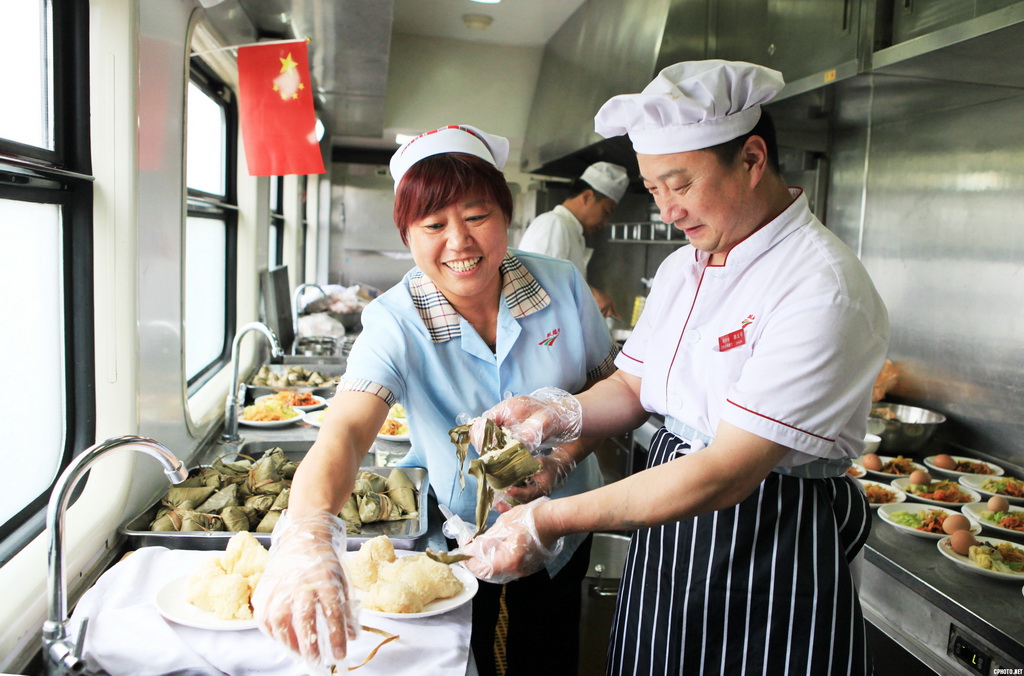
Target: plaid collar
x,y
523,294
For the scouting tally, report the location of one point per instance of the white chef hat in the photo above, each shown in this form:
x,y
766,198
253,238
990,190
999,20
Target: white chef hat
x,y
607,178
455,138
691,106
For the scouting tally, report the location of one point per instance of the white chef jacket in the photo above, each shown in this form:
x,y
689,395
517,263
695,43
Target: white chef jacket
x,y
784,340
559,234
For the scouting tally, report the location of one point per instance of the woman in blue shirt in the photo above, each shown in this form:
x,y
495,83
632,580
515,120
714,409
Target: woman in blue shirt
x,y
471,323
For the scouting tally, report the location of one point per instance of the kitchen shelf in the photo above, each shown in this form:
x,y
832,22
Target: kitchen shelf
x,y
646,232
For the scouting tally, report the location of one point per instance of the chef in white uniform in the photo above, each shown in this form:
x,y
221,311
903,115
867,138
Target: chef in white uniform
x,y
759,345
560,233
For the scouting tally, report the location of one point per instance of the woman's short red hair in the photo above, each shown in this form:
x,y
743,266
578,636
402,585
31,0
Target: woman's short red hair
x,y
439,181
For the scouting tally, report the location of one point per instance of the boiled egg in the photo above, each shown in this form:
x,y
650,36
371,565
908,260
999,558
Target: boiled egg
x,y
998,503
962,541
955,522
871,461
944,461
919,476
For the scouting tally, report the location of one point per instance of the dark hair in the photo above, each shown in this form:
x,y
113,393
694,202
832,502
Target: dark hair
x,y
728,152
439,181
579,186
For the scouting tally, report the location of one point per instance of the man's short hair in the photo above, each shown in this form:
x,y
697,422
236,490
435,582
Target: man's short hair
x,y
728,152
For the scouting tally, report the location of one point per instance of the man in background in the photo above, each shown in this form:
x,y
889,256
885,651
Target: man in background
x,y
559,233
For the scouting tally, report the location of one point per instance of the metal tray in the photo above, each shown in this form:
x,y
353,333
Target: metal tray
x,y
331,371
403,534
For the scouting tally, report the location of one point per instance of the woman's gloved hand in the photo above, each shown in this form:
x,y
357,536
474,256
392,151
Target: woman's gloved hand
x,y
303,599
556,467
545,418
511,548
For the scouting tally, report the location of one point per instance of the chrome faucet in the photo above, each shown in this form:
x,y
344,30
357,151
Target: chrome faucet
x,y
295,309
236,393
60,656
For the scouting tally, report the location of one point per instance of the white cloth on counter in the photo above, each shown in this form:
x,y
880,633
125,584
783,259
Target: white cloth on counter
x,y
128,635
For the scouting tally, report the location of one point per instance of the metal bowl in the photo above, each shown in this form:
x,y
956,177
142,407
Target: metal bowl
x,y
908,432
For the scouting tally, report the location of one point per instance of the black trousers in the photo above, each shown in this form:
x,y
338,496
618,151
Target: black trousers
x,y
543,621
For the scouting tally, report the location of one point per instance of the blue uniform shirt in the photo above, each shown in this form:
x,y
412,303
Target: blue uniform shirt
x,y
414,348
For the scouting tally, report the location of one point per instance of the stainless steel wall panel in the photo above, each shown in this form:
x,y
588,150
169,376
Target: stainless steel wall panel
x,y
941,235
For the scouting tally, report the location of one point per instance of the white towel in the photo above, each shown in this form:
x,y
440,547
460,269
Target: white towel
x,y
128,635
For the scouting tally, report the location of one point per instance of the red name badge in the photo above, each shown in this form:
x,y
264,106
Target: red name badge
x,y
731,340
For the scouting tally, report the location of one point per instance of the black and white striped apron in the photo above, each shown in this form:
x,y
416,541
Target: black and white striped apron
x,y
760,588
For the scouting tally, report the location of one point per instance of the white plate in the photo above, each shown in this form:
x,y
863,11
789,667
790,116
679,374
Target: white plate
x,y
395,437
470,585
270,423
965,562
171,603
320,401
930,463
900,495
903,483
885,475
973,511
974,481
314,418
886,511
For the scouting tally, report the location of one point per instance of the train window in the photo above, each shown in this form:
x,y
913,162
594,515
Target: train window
x,y
45,215
276,257
210,228
29,121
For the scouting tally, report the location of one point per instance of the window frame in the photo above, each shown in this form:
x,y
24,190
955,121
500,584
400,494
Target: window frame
x,y
277,223
201,204
62,176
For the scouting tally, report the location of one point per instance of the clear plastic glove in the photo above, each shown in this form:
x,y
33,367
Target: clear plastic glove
x,y
543,419
511,548
557,466
303,599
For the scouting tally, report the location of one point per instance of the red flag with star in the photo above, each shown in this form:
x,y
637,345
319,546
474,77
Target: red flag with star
x,y
276,110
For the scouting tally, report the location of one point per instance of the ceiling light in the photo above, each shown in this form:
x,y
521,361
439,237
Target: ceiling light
x,y
488,2
478,22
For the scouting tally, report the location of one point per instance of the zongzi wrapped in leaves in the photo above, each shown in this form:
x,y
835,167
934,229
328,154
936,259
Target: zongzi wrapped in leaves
x,y
197,495
402,491
169,518
238,467
265,474
225,497
350,512
378,507
192,520
237,518
268,522
261,503
369,482
281,502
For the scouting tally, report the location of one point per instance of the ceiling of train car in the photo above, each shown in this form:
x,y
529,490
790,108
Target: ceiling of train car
x,y
351,41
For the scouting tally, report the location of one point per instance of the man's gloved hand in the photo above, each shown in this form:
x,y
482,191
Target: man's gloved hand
x,y
511,548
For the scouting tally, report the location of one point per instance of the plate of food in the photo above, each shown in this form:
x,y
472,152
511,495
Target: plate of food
x,y
886,467
881,494
271,413
1008,487
985,556
314,418
217,593
957,465
300,401
171,603
856,471
944,492
403,584
998,516
395,427
929,522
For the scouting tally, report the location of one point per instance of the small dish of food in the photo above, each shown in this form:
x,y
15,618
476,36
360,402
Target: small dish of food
x,y
930,522
881,494
994,558
271,413
1005,486
945,492
395,427
856,471
997,515
301,401
314,418
886,467
955,465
